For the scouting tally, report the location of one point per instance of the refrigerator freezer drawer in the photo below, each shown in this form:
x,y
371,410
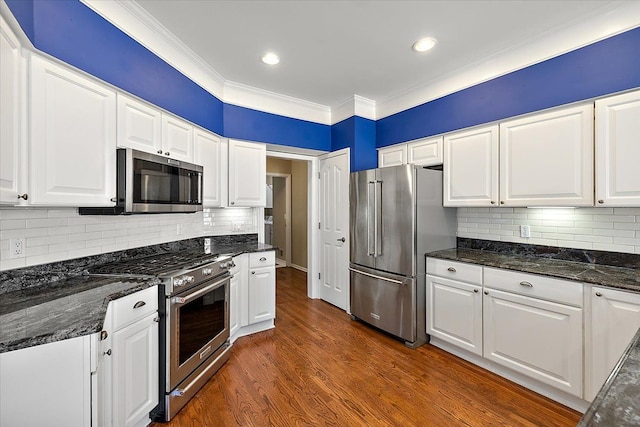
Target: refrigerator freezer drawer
x,y
384,300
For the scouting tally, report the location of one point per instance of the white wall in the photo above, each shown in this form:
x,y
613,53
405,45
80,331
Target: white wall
x,y
60,234
605,229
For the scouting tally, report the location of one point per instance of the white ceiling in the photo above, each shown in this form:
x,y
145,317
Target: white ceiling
x,y
333,50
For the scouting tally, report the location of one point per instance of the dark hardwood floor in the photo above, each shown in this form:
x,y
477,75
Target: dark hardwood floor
x,y
320,368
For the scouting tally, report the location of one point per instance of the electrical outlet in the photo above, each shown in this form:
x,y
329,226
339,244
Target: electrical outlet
x,y
525,231
16,248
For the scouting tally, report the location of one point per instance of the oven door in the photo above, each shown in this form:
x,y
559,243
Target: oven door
x,y
198,324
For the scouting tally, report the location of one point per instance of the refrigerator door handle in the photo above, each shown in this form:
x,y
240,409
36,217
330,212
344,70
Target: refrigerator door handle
x,y
378,215
375,276
371,249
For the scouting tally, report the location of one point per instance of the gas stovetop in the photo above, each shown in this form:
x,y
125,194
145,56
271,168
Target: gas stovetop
x,y
162,265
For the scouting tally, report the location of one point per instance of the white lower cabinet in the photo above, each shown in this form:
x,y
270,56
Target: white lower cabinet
x,y
454,312
538,338
129,360
49,385
252,294
615,318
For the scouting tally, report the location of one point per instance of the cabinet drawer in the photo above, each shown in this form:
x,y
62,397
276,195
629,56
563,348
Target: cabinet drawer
x,y
562,291
262,259
134,307
455,270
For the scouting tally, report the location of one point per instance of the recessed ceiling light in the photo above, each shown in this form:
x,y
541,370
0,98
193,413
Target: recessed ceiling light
x,y
270,58
424,44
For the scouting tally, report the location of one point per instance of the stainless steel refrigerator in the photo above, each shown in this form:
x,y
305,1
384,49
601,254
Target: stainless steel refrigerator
x,y
396,217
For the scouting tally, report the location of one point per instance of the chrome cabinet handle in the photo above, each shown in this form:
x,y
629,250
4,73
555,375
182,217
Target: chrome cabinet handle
x,y
263,259
156,319
493,203
501,202
476,291
486,292
107,353
232,203
598,294
159,151
451,269
24,196
527,284
166,153
601,201
139,304
342,240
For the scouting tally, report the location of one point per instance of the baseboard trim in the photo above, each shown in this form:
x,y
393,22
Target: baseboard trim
x,y
297,267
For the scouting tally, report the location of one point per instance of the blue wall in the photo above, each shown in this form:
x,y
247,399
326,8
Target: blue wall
x,y
605,67
72,32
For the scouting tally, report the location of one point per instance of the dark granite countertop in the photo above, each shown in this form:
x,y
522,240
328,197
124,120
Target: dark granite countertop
x,y
597,274
61,310
57,301
618,401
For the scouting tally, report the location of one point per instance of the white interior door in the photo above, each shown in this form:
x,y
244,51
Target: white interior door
x,y
334,228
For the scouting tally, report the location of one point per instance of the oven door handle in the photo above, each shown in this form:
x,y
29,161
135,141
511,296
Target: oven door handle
x,y
197,294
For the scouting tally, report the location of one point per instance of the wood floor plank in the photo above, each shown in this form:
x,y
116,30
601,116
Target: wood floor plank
x,y
320,368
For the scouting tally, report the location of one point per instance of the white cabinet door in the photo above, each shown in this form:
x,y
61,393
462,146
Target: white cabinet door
x,y
471,167
392,156
177,138
139,125
234,300
72,152
207,154
454,313
247,174
547,159
537,338
425,152
618,150
47,385
615,318
135,371
262,294
10,118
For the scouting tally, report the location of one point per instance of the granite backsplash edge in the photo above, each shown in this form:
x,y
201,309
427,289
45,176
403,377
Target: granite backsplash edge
x,y
43,274
613,259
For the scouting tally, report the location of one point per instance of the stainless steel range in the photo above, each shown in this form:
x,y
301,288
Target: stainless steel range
x,y
194,320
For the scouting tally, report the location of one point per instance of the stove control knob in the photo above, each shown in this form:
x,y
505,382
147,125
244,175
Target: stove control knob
x,y
178,282
206,271
224,265
189,279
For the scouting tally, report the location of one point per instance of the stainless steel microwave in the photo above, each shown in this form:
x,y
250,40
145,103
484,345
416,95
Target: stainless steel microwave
x,y
149,183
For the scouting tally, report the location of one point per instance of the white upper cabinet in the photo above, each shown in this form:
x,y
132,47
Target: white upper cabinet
x,y
139,125
247,174
615,318
10,105
422,152
72,156
471,167
618,150
208,154
547,159
425,152
177,138
392,156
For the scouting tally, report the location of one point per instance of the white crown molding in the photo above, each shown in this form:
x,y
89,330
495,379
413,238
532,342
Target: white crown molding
x,y
136,22
355,106
625,16
263,100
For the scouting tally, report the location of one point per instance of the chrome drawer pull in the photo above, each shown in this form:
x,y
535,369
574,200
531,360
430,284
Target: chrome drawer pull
x,y
139,304
598,294
527,284
451,269
263,259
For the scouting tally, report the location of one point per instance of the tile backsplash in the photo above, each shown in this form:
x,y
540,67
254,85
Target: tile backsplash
x,y
59,234
605,229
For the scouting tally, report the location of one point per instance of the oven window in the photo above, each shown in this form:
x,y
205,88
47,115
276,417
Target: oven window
x,y
199,322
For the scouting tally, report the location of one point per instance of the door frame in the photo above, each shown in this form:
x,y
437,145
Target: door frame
x,y
287,221
313,237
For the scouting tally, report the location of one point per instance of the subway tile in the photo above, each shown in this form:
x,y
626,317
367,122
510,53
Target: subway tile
x,y
615,218
627,225
627,211
63,247
36,250
593,224
558,236
626,241
13,224
25,232
46,222
595,239
613,233
21,213
72,229
61,213
10,264
613,248
597,211
45,240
